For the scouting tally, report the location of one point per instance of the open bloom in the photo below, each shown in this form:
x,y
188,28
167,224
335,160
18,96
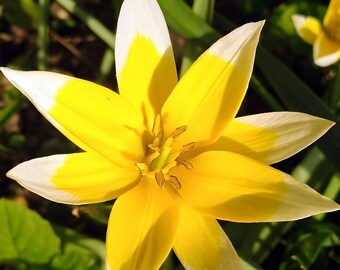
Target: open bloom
x,y
324,37
172,153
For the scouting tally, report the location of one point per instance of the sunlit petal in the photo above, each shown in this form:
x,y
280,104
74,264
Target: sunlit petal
x,y
141,228
232,187
145,64
307,27
92,116
325,51
211,91
270,137
331,21
201,243
75,178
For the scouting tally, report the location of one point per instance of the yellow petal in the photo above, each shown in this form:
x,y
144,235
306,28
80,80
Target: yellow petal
x,y
145,65
141,228
92,116
331,20
201,243
308,28
232,187
270,137
75,178
211,91
326,51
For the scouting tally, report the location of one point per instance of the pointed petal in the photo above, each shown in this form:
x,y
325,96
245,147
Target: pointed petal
x,y
201,243
270,137
75,178
308,28
211,91
331,20
232,187
141,228
92,116
145,63
325,51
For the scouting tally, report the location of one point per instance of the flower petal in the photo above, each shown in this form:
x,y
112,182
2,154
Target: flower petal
x,y
331,21
141,228
211,91
308,28
145,63
75,178
325,51
270,137
229,186
201,243
92,116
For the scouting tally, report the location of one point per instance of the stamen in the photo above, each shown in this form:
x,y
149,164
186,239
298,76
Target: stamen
x,y
154,146
157,129
161,157
175,182
140,166
179,131
159,176
188,147
186,164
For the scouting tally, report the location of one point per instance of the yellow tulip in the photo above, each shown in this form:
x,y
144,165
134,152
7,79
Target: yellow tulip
x,y
325,37
172,152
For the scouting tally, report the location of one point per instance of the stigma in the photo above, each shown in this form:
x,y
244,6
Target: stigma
x,y
161,157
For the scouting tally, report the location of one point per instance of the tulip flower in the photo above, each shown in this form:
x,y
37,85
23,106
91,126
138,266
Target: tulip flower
x,y
325,37
172,153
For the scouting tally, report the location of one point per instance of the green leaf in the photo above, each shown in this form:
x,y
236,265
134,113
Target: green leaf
x,y
90,21
24,13
310,245
181,18
24,235
79,252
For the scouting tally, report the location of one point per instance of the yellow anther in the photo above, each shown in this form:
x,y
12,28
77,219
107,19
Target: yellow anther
x,y
160,179
173,180
188,147
179,131
186,164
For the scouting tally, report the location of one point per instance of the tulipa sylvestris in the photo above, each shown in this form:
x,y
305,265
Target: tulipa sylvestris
x,y
171,152
324,37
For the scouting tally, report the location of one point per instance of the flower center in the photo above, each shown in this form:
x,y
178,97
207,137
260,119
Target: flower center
x,y
161,157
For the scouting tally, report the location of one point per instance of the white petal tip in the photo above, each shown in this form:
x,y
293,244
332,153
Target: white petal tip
x,y
298,20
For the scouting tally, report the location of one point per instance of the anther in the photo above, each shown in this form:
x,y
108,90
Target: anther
x,y
188,147
159,176
175,182
178,131
186,164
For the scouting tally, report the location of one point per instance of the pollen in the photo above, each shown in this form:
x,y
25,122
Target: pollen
x,y
161,157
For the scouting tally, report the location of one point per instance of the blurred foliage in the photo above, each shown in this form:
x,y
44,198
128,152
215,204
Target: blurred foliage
x,y
77,37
